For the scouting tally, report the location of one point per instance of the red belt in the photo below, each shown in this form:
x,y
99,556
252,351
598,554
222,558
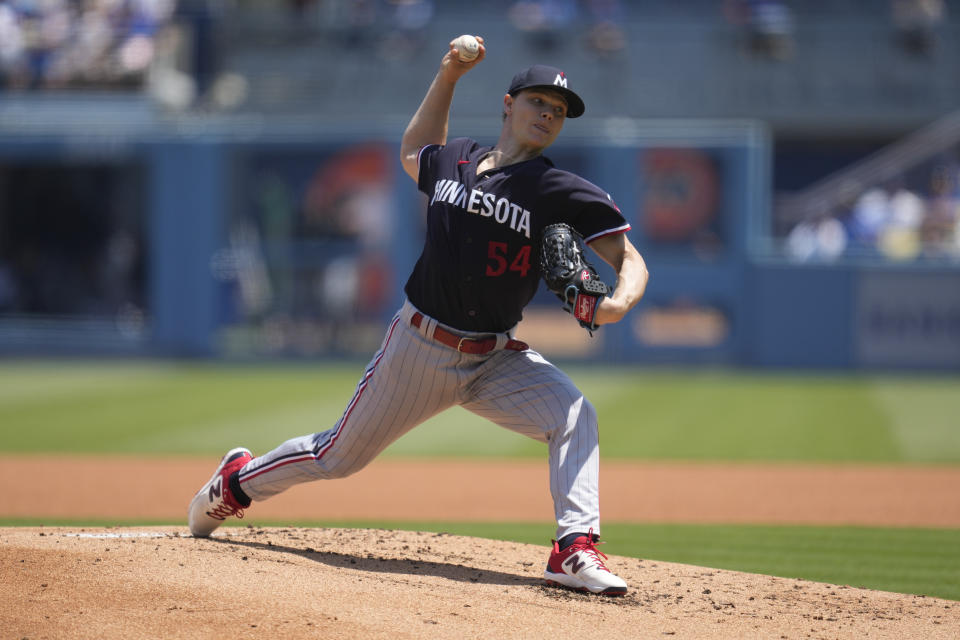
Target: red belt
x,y
467,345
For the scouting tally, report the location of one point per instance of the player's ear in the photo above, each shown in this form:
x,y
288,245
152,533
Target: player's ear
x,y
507,105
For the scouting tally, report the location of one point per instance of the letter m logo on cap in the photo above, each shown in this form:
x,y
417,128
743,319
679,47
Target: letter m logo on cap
x,y
560,80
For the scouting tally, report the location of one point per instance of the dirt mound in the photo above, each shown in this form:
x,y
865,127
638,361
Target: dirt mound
x,y
349,583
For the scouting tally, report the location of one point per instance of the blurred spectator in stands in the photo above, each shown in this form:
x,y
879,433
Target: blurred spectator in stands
x,y
605,35
90,53
407,21
46,28
11,47
916,23
543,21
821,238
871,214
900,237
768,25
170,81
940,230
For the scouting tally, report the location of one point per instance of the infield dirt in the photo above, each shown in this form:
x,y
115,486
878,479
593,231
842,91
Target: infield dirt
x,y
254,582
349,583
124,488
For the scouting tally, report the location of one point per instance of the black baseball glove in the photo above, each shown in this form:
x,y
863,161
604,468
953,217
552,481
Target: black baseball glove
x,y
569,275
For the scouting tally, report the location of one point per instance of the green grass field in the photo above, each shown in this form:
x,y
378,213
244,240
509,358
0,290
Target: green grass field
x,y
649,414
164,408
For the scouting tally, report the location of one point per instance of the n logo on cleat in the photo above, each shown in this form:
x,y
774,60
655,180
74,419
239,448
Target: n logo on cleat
x,y
573,565
216,488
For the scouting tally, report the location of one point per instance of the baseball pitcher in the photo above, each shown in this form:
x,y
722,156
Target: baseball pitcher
x,y
499,219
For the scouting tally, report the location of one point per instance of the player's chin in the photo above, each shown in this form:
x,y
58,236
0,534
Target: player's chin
x,y
541,139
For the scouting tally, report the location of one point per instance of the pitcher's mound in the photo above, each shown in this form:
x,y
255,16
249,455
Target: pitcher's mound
x,y
351,583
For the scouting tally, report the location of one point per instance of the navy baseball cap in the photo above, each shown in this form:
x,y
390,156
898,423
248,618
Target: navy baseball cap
x,y
544,77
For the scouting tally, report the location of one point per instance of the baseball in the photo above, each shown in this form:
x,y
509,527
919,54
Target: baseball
x,y
468,47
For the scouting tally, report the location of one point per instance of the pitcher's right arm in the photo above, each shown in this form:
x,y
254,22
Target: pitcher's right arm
x,y
429,123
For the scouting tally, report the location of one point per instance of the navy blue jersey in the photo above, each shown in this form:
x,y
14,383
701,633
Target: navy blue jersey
x,y
480,264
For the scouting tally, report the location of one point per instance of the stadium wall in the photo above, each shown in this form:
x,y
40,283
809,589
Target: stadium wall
x,y
295,242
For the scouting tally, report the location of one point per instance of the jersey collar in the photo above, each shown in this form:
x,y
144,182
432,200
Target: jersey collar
x,y
482,152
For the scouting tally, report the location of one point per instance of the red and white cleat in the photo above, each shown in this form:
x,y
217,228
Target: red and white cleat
x,y
580,566
214,503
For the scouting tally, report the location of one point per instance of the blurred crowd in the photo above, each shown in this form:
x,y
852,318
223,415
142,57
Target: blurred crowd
x,y
548,22
399,25
92,43
889,219
78,43
768,26
53,44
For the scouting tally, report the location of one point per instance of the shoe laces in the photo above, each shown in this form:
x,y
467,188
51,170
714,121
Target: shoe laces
x,y
224,510
590,548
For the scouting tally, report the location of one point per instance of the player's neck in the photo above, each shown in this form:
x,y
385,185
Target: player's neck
x,y
504,154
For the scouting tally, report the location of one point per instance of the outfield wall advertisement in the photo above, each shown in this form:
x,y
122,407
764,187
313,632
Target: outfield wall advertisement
x,y
908,319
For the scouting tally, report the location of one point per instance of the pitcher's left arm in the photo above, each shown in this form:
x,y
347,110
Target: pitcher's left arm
x,y
632,276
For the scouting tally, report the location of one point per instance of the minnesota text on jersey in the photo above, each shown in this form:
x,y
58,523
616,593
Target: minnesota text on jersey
x,y
500,209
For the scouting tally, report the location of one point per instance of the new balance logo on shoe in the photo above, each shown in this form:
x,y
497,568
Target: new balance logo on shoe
x,y
574,564
216,489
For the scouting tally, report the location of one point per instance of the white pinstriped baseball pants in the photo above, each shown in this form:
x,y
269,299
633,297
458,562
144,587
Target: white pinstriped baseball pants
x,y
412,378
